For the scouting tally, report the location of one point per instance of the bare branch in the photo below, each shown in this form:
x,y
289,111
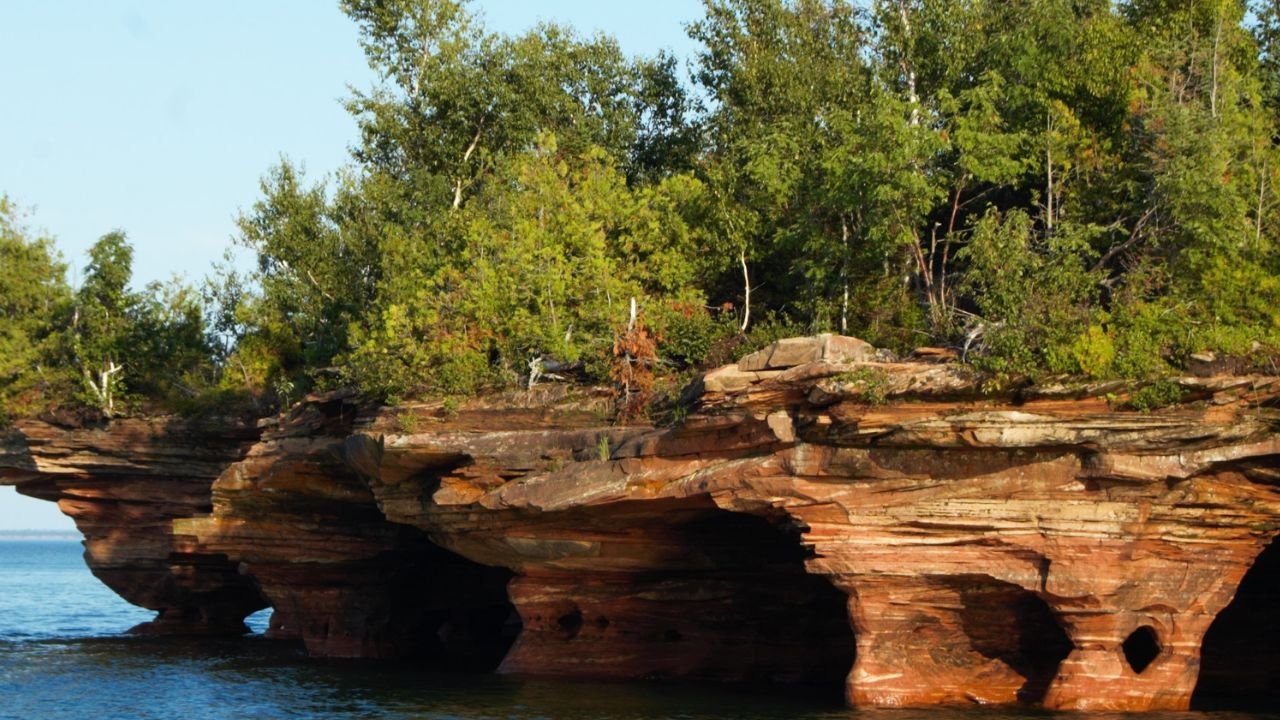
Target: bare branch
x,y
466,156
1134,237
315,282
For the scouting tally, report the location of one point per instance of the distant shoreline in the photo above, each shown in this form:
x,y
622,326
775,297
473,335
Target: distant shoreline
x,y
38,535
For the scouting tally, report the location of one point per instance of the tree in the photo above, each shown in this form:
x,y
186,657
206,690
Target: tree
x,y
1206,248
555,246
785,78
318,270
457,110
1053,185
33,296
100,326
131,345
1267,34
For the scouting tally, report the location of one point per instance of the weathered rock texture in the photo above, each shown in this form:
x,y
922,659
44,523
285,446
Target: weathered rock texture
x,y
123,484
821,515
1045,549
338,575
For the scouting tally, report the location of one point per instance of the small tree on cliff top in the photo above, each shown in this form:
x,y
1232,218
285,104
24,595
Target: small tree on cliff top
x,y
33,294
99,326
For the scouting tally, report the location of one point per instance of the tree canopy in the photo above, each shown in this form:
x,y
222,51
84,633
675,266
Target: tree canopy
x,y
1049,186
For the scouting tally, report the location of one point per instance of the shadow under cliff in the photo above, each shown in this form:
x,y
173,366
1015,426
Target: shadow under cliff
x,y
1240,657
690,592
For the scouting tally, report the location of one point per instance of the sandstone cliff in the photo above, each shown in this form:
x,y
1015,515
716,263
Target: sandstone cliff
x,y
820,516
124,484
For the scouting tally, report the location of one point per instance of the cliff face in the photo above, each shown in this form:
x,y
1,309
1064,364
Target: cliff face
x,y
337,573
124,484
820,516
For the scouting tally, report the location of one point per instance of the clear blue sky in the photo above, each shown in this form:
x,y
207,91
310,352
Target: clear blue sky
x,y
158,117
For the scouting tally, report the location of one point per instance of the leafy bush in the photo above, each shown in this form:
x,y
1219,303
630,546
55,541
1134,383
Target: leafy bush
x,y
686,330
1155,395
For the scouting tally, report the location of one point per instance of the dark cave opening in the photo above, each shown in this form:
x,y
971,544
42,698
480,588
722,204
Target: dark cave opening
x,y
1141,648
682,590
1240,655
570,623
796,625
1015,626
416,602
448,612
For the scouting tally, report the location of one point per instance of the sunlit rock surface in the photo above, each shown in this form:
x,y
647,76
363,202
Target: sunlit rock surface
x,y
821,514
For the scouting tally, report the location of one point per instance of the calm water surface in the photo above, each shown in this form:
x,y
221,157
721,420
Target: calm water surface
x,y
63,654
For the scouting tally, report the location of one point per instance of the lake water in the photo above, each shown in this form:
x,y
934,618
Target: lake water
x,y
63,654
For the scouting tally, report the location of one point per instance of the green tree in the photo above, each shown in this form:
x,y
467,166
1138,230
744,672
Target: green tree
x,y
100,325
454,98
1267,33
555,246
170,358
1053,185
785,78
342,275
318,271
1204,252
130,346
33,296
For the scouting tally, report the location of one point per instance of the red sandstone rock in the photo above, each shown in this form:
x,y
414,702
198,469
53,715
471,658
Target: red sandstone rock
x,y
991,552
124,484
339,576
821,515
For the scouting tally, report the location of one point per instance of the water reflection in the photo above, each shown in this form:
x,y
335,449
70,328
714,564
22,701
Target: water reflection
x,y
166,678
62,657
254,678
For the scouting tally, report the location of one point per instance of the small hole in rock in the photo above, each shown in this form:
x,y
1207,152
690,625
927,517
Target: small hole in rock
x,y
570,623
602,622
672,636
1141,648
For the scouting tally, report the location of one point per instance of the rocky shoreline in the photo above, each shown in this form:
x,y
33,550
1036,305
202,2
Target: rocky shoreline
x,y
822,515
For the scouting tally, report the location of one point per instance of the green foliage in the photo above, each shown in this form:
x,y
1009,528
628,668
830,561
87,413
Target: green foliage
x,y
103,346
1036,296
686,330
456,98
1144,333
1267,33
128,345
1155,395
102,324
811,172
34,301
1094,352
395,357
409,422
1050,186
871,384
317,272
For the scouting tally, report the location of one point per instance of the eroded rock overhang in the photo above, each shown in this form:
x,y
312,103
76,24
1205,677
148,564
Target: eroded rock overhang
x,y
1045,549
124,483
821,515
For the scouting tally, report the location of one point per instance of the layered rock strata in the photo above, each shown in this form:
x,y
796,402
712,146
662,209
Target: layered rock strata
x,y
1046,548
338,575
823,514
124,483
